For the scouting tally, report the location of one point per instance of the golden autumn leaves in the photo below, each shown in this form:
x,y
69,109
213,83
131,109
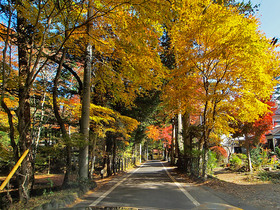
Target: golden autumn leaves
x,y
224,65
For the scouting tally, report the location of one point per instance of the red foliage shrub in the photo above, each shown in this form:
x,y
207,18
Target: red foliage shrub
x,y
220,151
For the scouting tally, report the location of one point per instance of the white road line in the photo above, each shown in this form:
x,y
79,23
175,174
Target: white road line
x,y
97,201
195,202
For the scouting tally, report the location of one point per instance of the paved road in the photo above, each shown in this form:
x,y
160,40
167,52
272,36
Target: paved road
x,y
155,186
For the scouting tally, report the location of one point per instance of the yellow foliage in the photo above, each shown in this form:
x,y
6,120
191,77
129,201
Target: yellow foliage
x,y
126,47
224,64
104,119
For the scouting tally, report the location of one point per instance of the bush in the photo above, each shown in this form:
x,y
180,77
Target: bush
x,y
257,157
269,176
235,162
264,158
212,160
277,150
242,156
221,153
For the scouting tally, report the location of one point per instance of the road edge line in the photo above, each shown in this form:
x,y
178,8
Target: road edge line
x,y
104,195
188,195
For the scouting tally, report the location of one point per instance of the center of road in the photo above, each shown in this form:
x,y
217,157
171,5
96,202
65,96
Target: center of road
x,y
114,187
188,195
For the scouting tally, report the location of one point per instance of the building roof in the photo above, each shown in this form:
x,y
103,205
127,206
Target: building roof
x,y
273,133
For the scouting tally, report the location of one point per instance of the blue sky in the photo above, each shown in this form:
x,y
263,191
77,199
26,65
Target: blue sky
x,y
269,14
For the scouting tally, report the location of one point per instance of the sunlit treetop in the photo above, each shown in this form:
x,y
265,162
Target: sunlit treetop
x,y
224,64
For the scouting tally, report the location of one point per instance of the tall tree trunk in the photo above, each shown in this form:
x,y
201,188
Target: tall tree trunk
x,y
26,172
108,157
177,150
36,136
187,142
25,142
205,160
185,131
40,125
206,135
65,135
180,132
114,158
83,154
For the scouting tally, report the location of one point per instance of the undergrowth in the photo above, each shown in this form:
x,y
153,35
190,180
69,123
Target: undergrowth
x,y
40,200
274,177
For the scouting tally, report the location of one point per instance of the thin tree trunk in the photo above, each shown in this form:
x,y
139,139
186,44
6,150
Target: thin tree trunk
x,y
172,154
247,142
114,154
65,135
12,130
3,104
35,149
177,150
93,156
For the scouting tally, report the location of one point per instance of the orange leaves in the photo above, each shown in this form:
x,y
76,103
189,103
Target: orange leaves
x,y
264,124
153,133
220,151
156,133
166,134
71,108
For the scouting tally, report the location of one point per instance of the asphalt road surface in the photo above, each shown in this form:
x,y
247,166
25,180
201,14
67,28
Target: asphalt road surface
x,y
154,185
